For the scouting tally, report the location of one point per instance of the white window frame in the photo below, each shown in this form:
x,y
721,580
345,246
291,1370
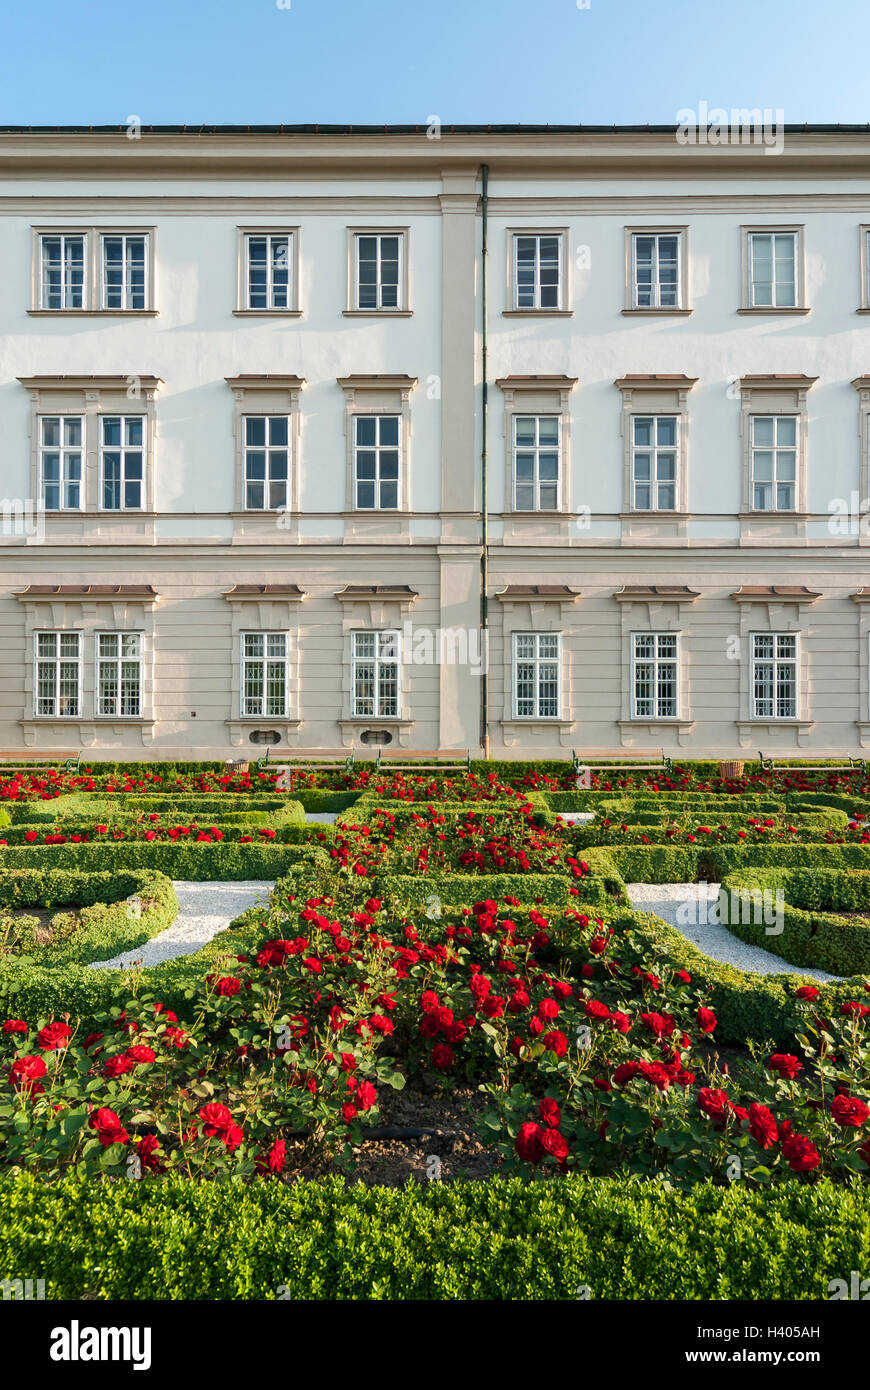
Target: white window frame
x,y
63,238
123,449
774,449
771,234
126,286
377,449
264,662
659,663
536,450
654,450
386,667
776,661
537,661
57,660
268,449
537,236
289,289
62,450
118,662
656,287
379,235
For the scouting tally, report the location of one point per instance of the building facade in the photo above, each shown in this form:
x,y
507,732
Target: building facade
x,y
533,440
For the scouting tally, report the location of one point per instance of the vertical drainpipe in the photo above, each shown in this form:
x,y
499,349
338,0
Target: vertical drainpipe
x,y
484,498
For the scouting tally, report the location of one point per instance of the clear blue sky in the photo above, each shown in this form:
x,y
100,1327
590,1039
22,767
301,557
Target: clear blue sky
x,y
373,61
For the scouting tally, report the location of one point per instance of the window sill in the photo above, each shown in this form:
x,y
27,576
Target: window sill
x,y
541,722
537,313
657,313
656,721
267,313
772,724
655,515
377,313
775,516
770,309
94,313
375,720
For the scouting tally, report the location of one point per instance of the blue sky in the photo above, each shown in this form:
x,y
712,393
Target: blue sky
x,y
372,61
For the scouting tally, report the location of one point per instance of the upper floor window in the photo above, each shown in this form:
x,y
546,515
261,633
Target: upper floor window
x,y
773,268
774,675
773,448
375,669
58,674
536,462
376,462
62,264
61,456
264,674
656,272
654,445
266,461
119,674
536,675
655,675
268,271
538,272
91,271
122,462
379,272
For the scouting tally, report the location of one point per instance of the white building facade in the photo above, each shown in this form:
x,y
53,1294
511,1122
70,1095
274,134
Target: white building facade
x,y
515,439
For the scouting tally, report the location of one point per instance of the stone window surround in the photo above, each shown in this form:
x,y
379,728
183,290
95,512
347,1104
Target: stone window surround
x,y
656,395
93,235
89,614
378,395
862,386
538,612
266,608
404,311
684,308
862,723
772,613
800,287
864,268
646,610
784,394
256,394
538,395
241,310
92,397
564,310
383,608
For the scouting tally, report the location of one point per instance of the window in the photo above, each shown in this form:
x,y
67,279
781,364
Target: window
x,y
267,461
376,462
62,271
655,270
124,270
536,675
773,270
122,456
375,675
774,675
773,462
654,441
379,271
119,674
264,674
60,462
268,271
536,463
655,675
537,271
58,674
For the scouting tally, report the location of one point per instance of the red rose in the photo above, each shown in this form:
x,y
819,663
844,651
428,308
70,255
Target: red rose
x,y
141,1054
552,1142
366,1095
53,1036
548,1009
762,1125
348,1112
442,1056
853,1010
555,1042
785,1065
626,1071
27,1070
807,992
715,1105
15,1025
550,1113
109,1128
849,1112
528,1143
216,1119
706,1020
227,986
800,1154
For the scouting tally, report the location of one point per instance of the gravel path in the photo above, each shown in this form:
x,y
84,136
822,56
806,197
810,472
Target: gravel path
x,y
204,910
321,817
714,940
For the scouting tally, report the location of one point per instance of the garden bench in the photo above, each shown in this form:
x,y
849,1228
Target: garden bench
x,y
13,763
819,762
616,762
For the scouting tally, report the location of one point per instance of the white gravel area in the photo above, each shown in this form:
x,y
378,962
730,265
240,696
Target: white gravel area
x,y
576,817
716,941
323,817
204,910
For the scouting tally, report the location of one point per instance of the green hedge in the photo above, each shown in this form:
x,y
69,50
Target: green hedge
x,y
97,929
687,863
461,890
810,935
493,1239
181,860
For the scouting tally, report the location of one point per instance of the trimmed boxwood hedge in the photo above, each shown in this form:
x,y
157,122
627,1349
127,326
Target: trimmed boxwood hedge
x,y
811,936
461,890
177,859
494,1239
108,922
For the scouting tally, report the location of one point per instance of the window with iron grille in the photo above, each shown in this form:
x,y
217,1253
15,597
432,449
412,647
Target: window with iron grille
x,y
655,675
57,677
119,674
774,675
264,674
375,665
536,675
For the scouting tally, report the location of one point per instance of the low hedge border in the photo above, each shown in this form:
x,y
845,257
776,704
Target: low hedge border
x,y
196,862
494,1239
125,920
711,863
810,936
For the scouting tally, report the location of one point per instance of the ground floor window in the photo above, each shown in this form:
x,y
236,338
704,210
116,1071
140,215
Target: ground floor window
x,y
119,674
536,675
58,674
774,675
375,674
655,675
264,674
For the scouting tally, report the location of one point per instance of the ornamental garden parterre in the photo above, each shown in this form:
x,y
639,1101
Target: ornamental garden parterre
x,y
448,943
